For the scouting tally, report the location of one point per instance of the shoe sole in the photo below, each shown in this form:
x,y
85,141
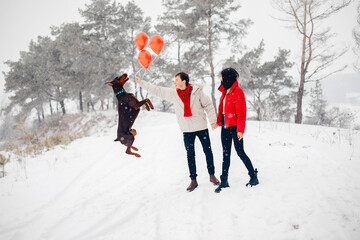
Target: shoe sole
x,y
217,190
251,185
190,190
215,184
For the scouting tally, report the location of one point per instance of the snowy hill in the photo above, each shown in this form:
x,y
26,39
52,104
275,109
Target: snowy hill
x,y
90,189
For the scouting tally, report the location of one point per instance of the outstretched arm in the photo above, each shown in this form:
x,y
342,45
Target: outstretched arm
x,y
162,92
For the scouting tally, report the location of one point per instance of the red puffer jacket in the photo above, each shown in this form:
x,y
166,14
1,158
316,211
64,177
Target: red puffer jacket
x,y
235,107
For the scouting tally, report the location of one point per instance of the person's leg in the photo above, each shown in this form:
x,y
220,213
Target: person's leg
x,y
206,145
226,141
189,141
239,147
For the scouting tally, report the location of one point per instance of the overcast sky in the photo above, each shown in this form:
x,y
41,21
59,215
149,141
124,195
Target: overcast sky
x,y
23,20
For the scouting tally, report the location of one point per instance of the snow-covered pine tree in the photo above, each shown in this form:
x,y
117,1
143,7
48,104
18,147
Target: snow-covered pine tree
x,y
172,26
101,22
279,105
49,67
33,79
321,114
130,22
342,118
269,84
7,128
317,106
184,53
19,80
71,43
210,25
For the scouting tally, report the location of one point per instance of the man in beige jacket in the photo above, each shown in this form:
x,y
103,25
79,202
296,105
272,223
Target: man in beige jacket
x,y
190,105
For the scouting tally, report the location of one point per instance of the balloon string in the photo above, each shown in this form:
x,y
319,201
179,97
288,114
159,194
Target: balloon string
x,y
156,58
153,61
142,75
138,71
149,71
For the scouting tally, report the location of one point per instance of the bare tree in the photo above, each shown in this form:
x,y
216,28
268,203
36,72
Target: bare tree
x,y
317,53
356,34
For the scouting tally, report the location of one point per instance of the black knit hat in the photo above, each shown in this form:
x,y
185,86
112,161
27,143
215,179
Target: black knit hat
x,y
229,76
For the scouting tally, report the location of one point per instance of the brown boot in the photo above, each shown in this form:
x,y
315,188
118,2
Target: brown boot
x,y
192,185
214,180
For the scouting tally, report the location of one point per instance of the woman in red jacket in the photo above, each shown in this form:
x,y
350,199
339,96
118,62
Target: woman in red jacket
x,y
231,117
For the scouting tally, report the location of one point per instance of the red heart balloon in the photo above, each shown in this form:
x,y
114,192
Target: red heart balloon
x,y
141,40
156,44
144,58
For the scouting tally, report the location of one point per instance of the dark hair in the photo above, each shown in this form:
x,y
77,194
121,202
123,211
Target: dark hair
x,y
183,77
229,75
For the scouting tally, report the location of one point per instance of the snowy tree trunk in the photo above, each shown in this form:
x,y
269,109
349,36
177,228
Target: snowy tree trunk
x,y
39,118
51,109
81,102
211,61
102,104
42,113
179,54
298,117
62,104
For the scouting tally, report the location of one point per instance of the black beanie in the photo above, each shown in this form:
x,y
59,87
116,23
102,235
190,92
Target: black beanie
x,y
229,76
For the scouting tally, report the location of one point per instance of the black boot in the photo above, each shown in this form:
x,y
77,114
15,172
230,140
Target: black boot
x,y
224,183
253,179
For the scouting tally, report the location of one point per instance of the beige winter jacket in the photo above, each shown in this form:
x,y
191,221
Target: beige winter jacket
x,y
198,103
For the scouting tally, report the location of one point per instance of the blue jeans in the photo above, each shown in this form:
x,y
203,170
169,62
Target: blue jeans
x,y
189,141
229,135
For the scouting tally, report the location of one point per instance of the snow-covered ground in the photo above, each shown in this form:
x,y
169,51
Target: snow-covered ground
x,y
309,187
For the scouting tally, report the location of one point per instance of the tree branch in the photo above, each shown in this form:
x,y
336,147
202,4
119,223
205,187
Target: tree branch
x,y
333,9
329,74
296,18
309,38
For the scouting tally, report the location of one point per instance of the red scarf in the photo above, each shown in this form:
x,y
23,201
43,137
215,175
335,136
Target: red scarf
x,y
184,95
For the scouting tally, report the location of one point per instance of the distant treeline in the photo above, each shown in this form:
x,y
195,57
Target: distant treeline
x,y
78,58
